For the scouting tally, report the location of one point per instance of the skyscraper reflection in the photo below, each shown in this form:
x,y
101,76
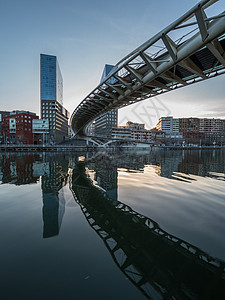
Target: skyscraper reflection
x,y
53,198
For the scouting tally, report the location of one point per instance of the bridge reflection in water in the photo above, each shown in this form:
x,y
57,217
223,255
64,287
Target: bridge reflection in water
x,y
156,262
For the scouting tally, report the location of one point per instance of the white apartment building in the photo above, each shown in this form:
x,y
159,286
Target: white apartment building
x,y
168,124
212,125
138,133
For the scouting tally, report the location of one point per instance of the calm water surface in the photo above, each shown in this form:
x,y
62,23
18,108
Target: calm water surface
x,y
123,226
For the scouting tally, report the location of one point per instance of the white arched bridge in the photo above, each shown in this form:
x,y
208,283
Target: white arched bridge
x,y
191,49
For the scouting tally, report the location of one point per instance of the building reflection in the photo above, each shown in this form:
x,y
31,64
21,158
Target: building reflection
x,y
52,183
26,168
18,168
156,262
159,264
52,170
176,165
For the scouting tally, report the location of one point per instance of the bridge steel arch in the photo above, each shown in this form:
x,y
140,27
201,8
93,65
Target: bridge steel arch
x,y
160,65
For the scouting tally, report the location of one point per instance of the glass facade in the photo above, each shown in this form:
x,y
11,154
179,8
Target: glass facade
x,y
48,77
51,79
103,125
106,71
51,94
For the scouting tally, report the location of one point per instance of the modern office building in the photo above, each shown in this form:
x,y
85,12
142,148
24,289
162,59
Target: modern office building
x,y
103,125
51,94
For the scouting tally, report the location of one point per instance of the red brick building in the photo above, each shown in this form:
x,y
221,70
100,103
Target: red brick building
x,y
189,125
17,127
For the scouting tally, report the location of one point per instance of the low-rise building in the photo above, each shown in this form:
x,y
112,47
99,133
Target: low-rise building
x,y
40,129
137,132
121,132
17,127
174,138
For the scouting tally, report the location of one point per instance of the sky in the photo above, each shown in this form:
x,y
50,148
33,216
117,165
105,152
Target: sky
x,y
86,35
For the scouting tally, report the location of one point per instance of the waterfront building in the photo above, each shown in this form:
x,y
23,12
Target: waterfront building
x,y
211,125
2,114
203,131
40,130
157,136
51,94
17,127
121,132
189,125
137,132
135,126
173,138
168,124
103,124
193,130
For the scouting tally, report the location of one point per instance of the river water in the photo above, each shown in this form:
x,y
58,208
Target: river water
x,y
128,225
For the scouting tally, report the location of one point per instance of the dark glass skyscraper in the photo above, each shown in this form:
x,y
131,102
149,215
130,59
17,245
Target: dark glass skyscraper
x,y
104,124
51,84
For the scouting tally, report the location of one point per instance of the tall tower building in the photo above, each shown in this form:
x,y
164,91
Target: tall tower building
x,y
51,94
105,123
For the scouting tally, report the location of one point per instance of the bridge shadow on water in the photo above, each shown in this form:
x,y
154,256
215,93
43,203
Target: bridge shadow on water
x,y
156,262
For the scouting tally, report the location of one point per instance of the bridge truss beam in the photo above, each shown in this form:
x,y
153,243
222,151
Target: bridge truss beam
x,y
198,54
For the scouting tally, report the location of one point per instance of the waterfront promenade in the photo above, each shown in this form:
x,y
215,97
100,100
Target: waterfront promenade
x,y
69,148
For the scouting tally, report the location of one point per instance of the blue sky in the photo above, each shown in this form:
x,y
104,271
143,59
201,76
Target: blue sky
x,y
85,35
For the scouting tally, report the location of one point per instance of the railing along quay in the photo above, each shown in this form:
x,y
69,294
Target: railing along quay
x,y
55,148
37,148
197,147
